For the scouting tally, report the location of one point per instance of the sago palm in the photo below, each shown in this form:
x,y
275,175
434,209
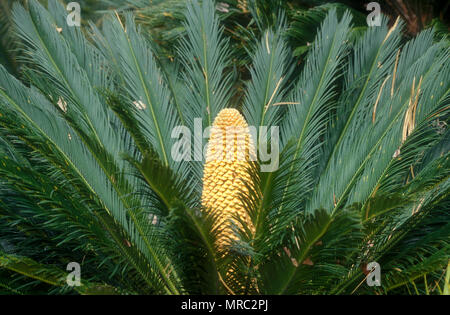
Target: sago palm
x,y
90,173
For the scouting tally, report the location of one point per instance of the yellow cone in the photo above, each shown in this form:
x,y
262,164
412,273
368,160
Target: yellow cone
x,y
226,171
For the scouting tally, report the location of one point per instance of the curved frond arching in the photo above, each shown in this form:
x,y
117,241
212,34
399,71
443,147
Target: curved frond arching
x,y
103,134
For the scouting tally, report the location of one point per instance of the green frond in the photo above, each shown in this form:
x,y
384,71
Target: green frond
x,y
306,23
88,171
270,71
313,95
205,57
49,274
147,94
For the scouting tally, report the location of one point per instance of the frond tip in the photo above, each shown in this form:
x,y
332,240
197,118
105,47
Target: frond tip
x,y
226,173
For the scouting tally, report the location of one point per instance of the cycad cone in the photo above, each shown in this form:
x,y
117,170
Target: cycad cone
x,y
226,173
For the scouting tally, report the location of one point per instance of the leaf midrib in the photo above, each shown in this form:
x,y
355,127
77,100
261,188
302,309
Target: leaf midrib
x,y
300,140
147,95
353,179
350,118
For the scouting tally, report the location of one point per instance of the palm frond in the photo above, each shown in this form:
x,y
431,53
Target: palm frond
x,y
205,58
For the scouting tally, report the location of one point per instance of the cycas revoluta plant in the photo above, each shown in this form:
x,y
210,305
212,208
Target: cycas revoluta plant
x,y
88,174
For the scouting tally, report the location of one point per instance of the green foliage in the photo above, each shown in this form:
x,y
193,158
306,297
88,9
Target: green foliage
x,y
87,174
